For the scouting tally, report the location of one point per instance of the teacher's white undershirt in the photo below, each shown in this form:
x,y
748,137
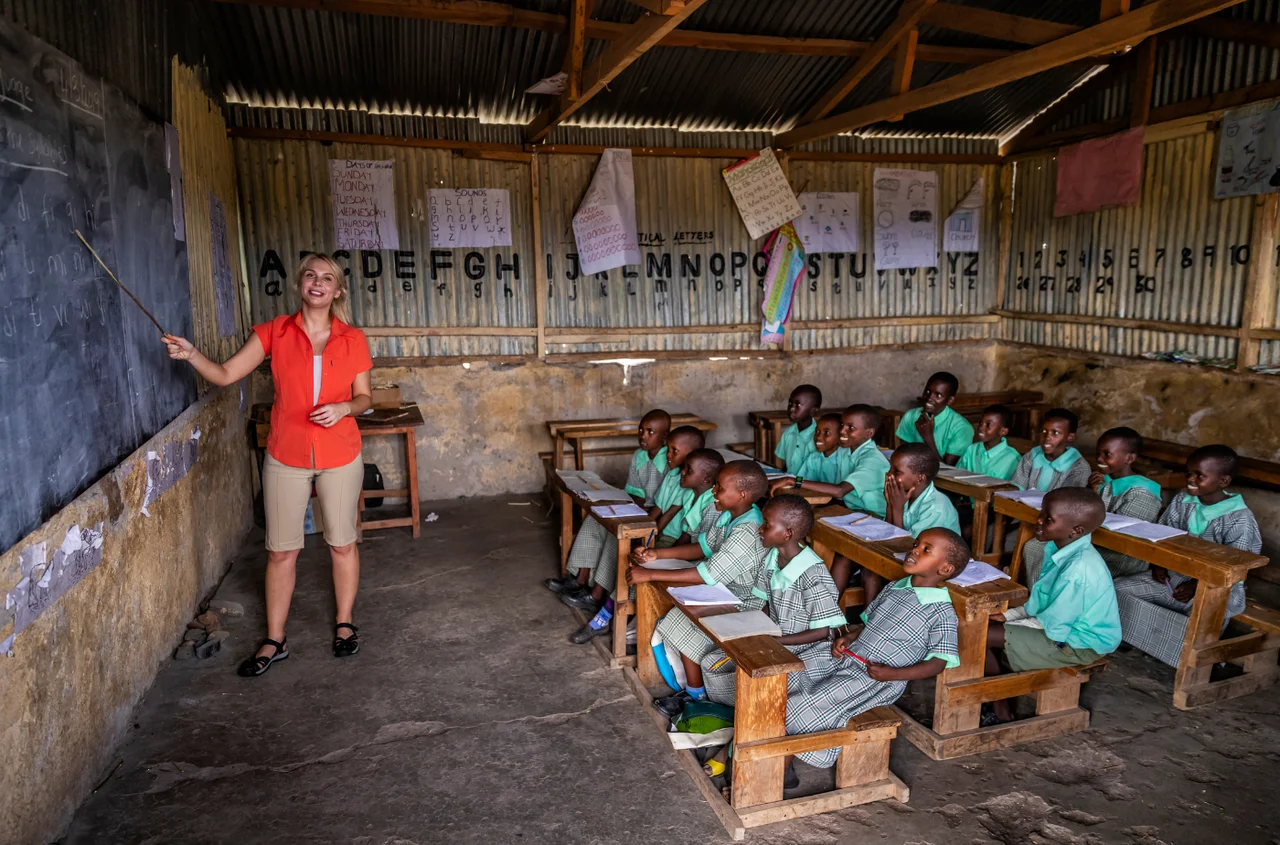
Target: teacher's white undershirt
x,y
315,378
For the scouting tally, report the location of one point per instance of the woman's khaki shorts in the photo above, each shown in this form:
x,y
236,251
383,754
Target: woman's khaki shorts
x,y
286,491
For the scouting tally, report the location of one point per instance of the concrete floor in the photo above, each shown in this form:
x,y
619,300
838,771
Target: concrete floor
x,y
468,718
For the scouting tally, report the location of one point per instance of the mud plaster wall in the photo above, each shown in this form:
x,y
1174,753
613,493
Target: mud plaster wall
x,y
67,693
1193,405
485,425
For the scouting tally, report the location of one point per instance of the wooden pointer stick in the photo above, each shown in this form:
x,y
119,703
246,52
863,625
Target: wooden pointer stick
x,y
118,284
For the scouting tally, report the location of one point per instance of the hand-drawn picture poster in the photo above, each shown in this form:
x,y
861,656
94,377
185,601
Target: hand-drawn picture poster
x,y
471,217
906,208
604,225
1247,155
364,205
1102,173
762,193
960,232
828,222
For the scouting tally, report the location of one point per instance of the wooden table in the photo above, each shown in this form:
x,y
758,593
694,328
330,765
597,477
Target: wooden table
x,y
390,423
625,530
576,432
982,495
1216,567
769,425
960,692
1252,469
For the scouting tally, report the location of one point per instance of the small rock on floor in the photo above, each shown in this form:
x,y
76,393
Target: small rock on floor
x,y
186,651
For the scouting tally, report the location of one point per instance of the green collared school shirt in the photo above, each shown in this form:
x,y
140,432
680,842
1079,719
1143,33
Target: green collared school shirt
x,y
931,509
865,470
1075,599
795,445
951,432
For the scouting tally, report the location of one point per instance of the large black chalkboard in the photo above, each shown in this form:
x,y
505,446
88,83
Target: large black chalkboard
x,y
84,379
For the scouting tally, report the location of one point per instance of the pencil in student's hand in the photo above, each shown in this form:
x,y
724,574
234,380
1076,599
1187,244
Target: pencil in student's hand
x,y
720,663
648,544
856,656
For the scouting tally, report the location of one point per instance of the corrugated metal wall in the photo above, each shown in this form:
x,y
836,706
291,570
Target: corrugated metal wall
x,y
1178,256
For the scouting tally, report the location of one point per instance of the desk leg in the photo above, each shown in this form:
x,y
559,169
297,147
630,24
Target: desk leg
x,y
948,718
411,462
621,607
579,462
760,713
647,611
1025,531
1204,628
557,452
981,510
759,445
997,540
566,530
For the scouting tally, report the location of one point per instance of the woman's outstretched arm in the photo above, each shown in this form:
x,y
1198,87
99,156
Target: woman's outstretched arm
x,y
237,366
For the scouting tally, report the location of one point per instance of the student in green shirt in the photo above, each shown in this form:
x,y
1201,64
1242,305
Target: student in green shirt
x,y
1071,617
991,453
827,459
935,424
796,442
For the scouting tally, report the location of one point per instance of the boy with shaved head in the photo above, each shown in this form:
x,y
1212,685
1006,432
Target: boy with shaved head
x,y
796,442
1070,618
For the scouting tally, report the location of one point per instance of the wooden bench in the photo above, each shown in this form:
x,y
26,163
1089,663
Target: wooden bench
x,y
576,432
769,425
1251,469
760,729
1217,568
960,692
626,532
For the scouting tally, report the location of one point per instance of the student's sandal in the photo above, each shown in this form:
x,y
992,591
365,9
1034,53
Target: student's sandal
x,y
255,665
345,647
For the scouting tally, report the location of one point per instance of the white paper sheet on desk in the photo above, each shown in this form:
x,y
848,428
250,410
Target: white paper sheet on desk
x,y
1150,531
670,564
1116,521
1033,498
702,595
630,509
977,572
745,623
866,527
977,479
605,494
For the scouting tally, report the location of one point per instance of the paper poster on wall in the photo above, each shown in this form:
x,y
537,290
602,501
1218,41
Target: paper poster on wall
x,y
786,265
906,208
960,232
604,225
224,292
1101,173
1249,151
762,193
828,222
469,217
364,204
46,580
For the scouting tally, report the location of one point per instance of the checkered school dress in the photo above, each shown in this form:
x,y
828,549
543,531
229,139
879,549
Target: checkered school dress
x,y
735,563
1025,475
808,602
594,547
1135,502
1150,617
900,631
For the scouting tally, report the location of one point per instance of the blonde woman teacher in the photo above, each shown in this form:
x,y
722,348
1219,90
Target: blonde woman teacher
x,y
320,366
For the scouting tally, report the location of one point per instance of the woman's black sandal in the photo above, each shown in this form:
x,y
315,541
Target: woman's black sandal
x,y
348,646
255,665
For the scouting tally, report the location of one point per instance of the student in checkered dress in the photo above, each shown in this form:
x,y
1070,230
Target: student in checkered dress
x,y
797,590
859,484
593,561
735,559
1053,464
1124,491
908,633
669,502
1154,605
796,442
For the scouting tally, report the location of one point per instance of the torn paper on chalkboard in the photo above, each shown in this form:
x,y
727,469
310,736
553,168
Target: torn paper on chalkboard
x,y
167,468
762,193
604,225
173,160
474,217
906,207
44,581
223,287
364,204
960,234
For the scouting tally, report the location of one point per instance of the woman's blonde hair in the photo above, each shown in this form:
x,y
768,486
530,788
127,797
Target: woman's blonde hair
x,y
341,305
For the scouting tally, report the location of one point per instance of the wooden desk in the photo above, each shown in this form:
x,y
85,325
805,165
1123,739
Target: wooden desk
x,y
760,737
1176,454
769,425
626,530
982,495
960,692
1216,567
577,431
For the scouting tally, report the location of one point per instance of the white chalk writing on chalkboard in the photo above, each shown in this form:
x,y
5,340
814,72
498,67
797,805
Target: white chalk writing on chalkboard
x,y
364,207
469,217
906,209
762,193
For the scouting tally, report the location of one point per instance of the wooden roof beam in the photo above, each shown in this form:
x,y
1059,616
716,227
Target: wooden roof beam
x,y
908,16
660,7
576,47
904,64
1112,35
999,25
642,35
1235,29
1074,98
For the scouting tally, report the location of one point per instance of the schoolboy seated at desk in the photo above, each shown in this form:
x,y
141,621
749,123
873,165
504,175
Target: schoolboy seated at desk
x,y
796,442
735,563
908,633
1053,464
991,453
1154,605
935,423
911,502
827,460
592,568
669,502
701,534
797,591
1124,491
1070,618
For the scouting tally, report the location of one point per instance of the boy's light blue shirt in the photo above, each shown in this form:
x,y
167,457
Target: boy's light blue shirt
x,y
670,495
795,445
1075,599
865,469
931,509
951,432
998,462
828,469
